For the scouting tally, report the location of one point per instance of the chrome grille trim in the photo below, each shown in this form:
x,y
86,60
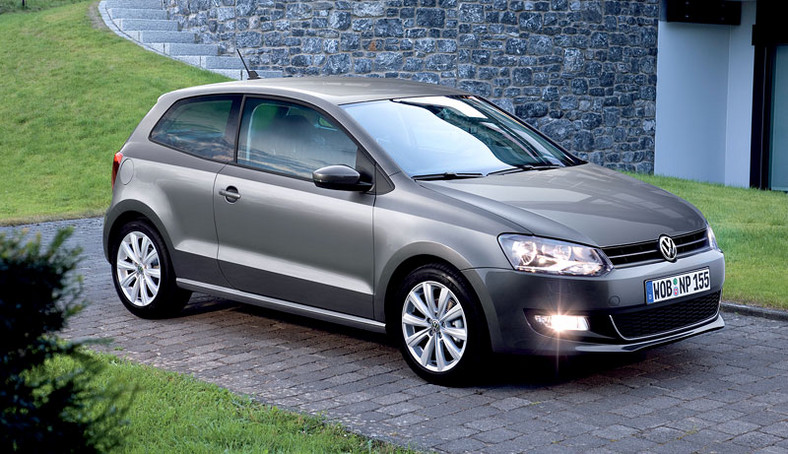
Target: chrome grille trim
x,y
648,251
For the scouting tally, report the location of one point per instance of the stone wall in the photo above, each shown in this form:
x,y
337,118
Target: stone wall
x,y
583,71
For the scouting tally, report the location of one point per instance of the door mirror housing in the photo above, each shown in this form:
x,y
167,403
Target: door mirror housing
x,y
340,177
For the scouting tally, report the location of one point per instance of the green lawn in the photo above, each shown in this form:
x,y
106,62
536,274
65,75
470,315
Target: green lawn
x,y
175,413
72,94
7,6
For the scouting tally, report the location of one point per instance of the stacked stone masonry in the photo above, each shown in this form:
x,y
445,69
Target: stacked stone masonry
x,y
582,71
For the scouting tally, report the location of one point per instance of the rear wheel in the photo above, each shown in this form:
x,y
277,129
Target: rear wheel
x,y
441,335
143,274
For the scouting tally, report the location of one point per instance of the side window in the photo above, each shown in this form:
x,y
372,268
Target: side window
x,y
291,139
201,126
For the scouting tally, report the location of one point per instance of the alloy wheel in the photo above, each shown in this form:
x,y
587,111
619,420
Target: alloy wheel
x,y
138,268
434,326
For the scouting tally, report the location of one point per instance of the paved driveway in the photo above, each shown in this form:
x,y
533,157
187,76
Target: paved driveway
x,y
722,392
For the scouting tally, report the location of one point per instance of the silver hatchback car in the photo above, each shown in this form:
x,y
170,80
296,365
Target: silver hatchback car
x,y
413,209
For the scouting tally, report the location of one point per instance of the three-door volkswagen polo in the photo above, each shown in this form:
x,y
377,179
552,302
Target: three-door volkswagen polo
x,y
407,208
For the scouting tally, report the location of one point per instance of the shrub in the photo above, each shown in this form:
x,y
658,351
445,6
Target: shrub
x,y
42,411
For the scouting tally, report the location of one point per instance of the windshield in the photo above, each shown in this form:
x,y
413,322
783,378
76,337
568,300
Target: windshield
x,y
455,136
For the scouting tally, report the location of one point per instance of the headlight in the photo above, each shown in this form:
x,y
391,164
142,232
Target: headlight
x,y
712,239
541,255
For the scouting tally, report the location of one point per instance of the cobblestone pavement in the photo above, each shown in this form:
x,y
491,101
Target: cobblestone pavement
x,y
722,392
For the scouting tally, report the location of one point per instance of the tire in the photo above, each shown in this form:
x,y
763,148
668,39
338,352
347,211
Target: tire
x,y
143,274
443,336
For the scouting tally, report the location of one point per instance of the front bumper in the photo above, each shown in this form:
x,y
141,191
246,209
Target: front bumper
x,y
614,304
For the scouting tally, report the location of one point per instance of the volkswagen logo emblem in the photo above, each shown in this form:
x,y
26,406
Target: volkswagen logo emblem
x,y
668,248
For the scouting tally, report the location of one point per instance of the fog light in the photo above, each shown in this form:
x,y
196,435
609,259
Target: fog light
x,y
560,323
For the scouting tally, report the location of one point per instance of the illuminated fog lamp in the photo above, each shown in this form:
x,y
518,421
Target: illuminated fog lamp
x,y
561,323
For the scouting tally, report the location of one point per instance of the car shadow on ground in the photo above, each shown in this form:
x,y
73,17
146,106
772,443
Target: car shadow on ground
x,y
500,371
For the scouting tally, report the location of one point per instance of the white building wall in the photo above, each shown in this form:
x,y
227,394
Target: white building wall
x,y
704,100
741,61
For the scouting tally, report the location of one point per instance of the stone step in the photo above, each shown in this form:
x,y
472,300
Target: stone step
x,y
190,49
222,62
146,36
128,13
144,25
135,4
236,74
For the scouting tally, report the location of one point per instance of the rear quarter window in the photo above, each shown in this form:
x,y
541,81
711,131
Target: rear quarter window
x,y
200,126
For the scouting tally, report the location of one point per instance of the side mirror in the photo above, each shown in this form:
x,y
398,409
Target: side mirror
x,y
340,177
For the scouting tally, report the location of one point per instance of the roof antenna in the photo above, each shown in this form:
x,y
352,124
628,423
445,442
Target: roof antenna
x,y
250,75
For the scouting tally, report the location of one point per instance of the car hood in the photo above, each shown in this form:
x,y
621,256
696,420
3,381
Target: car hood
x,y
587,204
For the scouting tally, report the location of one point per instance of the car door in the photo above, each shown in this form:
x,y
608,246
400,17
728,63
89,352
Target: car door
x,y
188,146
282,237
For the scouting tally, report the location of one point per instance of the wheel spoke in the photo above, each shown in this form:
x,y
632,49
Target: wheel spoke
x,y
135,246
454,312
440,359
145,247
152,257
126,282
135,292
443,301
124,265
426,353
144,291
129,254
429,299
416,338
412,320
454,351
154,272
152,286
457,333
419,304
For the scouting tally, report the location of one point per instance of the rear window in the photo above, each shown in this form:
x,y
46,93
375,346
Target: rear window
x,y
201,126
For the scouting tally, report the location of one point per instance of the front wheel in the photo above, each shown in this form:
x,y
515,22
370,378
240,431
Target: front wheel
x,y
442,334
143,274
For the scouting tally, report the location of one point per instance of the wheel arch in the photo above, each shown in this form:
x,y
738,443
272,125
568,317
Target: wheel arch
x,y
396,273
125,212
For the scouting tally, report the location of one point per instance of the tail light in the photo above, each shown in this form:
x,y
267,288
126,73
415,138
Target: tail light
x,y
116,165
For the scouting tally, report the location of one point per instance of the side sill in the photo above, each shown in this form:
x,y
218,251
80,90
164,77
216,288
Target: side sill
x,y
284,306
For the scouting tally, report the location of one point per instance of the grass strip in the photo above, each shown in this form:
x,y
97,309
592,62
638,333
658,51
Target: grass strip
x,y
176,413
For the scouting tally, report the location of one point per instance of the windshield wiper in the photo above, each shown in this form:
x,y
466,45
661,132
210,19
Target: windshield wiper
x,y
523,168
447,176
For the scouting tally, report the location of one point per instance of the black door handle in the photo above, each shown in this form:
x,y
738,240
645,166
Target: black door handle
x,y
230,194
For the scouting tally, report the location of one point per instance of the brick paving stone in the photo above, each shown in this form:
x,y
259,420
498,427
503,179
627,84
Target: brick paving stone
x,y
736,427
779,429
722,392
755,440
772,450
615,432
400,408
662,435
629,445
464,445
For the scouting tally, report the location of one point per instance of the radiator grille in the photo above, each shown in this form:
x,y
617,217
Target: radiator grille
x,y
636,253
650,321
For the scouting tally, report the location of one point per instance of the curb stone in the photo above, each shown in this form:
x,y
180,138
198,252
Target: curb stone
x,y
756,311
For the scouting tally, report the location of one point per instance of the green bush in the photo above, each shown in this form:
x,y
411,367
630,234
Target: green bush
x,y
41,411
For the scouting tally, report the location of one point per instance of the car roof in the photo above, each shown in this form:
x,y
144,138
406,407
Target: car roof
x,y
335,90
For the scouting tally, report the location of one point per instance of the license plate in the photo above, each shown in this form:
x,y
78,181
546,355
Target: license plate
x,y
677,286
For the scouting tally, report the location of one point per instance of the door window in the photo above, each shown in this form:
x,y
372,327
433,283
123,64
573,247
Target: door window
x,y
202,126
290,139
